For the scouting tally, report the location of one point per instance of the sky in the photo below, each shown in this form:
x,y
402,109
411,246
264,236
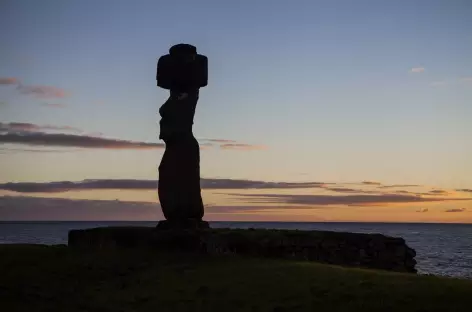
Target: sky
x,y
314,110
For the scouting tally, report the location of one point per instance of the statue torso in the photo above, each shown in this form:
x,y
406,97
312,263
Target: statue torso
x,y
177,115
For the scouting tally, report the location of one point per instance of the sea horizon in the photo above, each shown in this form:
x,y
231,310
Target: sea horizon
x,y
237,221
441,248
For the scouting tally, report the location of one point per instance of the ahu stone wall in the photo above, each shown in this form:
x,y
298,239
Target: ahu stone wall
x,y
374,251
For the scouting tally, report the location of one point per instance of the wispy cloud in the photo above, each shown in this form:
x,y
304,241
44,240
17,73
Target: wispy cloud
x,y
18,208
24,208
341,189
29,127
423,210
428,193
43,92
371,183
252,184
363,196
228,144
222,209
349,200
406,192
349,190
8,81
133,184
399,186
242,146
25,134
72,140
455,210
438,192
38,135
465,190
417,70
219,140
31,150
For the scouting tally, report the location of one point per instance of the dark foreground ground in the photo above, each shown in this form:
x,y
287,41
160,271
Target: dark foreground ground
x,y
41,278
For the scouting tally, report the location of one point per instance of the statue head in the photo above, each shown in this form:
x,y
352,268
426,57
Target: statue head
x,y
182,69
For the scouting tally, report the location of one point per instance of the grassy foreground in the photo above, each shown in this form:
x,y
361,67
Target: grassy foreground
x,y
41,278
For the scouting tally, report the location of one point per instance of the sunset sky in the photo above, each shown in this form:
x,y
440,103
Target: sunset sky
x,y
314,110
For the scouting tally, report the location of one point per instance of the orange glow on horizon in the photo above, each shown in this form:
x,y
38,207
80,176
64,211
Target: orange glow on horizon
x,y
242,209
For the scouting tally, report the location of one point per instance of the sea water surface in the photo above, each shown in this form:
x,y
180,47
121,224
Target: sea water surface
x,y
442,249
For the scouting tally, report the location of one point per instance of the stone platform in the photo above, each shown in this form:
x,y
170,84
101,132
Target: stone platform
x,y
374,251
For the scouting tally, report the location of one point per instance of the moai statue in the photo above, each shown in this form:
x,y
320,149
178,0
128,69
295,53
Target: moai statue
x,y
183,72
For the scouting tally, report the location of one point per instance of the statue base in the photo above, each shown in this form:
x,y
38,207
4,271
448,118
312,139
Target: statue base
x,y
185,224
373,251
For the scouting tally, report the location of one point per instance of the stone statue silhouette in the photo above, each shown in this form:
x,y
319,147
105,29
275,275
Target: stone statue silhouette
x,y
183,72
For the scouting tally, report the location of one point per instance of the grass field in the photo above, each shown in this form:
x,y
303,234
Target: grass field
x,y
42,278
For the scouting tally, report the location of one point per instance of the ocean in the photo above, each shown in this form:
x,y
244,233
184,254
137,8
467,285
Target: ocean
x,y
442,249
